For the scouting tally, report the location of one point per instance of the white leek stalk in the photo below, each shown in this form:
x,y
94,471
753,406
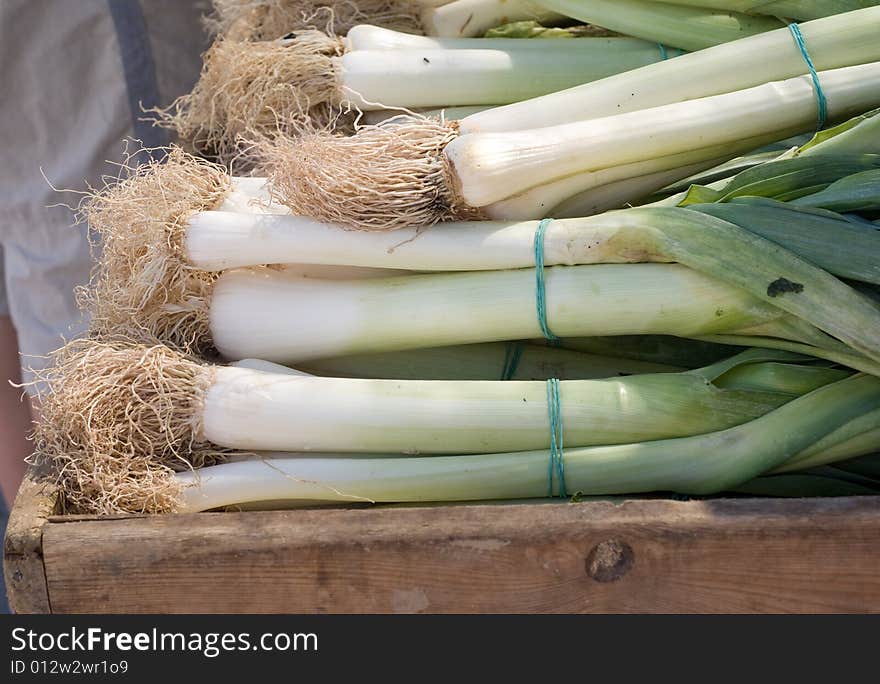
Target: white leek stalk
x,y
219,241
703,242
255,410
833,42
151,405
424,171
269,315
251,88
371,79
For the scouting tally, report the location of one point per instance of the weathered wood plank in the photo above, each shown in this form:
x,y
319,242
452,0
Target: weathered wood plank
x,y
22,547
737,555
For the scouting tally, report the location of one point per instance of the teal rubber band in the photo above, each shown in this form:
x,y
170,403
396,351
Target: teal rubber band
x,y
556,464
821,101
540,287
512,355
664,52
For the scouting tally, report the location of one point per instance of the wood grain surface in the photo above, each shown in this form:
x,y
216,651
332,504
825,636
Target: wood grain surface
x,y
723,555
22,547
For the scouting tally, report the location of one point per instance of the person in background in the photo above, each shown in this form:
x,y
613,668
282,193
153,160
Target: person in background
x,y
75,78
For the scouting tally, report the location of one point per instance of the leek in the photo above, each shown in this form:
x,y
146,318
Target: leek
x,y
689,28
249,409
150,410
605,189
610,188
217,241
269,315
703,464
506,73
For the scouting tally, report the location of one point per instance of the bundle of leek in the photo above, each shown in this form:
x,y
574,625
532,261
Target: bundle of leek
x,y
762,269
248,88
833,42
420,173
118,419
699,464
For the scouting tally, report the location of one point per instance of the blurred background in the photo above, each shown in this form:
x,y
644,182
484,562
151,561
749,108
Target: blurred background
x,y
77,77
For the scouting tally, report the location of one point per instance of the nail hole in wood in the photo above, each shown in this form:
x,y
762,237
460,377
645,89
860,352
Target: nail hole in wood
x,y
610,560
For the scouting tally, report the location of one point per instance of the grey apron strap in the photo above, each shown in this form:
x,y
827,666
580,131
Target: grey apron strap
x,y
139,68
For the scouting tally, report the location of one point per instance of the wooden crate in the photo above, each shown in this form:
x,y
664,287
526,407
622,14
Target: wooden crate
x,y
641,555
